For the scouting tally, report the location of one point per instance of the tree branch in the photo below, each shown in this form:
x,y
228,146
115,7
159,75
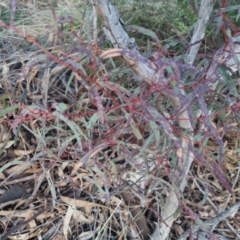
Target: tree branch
x,y
204,14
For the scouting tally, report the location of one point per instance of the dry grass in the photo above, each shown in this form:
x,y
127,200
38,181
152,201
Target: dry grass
x,y
80,159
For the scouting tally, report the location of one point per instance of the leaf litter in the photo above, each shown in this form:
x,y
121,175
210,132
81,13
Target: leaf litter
x,y
93,161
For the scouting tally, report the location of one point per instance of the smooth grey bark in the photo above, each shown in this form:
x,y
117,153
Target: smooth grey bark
x,y
113,27
204,14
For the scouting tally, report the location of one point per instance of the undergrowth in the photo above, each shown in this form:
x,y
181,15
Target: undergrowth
x,y
83,148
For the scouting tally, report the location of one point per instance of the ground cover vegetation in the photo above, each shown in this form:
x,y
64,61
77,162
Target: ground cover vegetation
x,y
106,139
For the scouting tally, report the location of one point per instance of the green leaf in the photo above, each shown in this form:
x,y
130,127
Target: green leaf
x,y
72,125
133,126
7,110
135,130
142,30
62,107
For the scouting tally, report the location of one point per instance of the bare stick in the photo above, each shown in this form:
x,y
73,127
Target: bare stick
x,y
204,14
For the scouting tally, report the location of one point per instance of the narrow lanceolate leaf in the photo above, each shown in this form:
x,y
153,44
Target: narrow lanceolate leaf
x,y
30,110
73,126
132,124
135,130
98,101
81,203
7,110
221,177
154,115
211,128
142,30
